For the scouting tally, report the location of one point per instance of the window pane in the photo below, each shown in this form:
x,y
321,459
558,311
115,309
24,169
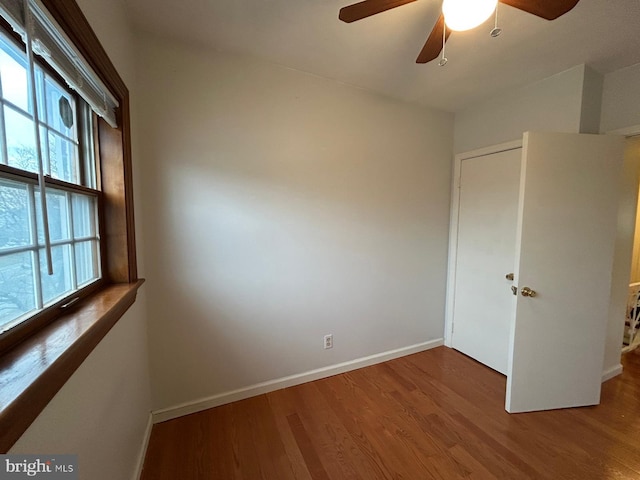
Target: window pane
x,y
58,216
63,158
14,214
14,79
39,74
83,216
61,109
16,286
21,143
45,151
86,261
25,285
60,283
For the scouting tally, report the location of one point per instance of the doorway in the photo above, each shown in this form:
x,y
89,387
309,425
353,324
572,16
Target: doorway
x,y
565,236
631,332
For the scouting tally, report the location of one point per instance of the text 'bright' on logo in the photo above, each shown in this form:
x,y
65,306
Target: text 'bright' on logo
x,y
49,467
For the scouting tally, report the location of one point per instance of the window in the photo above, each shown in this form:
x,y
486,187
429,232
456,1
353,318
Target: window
x,y
26,287
37,356
57,250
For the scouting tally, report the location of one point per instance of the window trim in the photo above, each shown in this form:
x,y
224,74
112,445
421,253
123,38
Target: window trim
x,y
34,371
30,382
115,145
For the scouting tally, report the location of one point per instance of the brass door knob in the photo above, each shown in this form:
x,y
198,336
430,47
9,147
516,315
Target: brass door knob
x,y
527,292
509,276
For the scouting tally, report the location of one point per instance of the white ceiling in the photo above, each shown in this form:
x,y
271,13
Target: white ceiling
x,y
378,53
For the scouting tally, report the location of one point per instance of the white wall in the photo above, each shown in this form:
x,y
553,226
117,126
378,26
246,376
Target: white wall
x,y
592,86
621,99
280,207
101,413
550,105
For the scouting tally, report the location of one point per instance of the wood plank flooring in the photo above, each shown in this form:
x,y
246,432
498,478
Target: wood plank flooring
x,y
432,415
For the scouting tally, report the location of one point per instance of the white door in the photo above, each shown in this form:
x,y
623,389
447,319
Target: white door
x,y
565,248
487,220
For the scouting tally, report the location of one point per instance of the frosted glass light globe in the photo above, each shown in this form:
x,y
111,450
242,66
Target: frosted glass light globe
x,y
463,15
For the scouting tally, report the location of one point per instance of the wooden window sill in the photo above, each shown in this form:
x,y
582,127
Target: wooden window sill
x,y
32,372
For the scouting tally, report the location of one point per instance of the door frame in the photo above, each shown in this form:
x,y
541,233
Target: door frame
x,y
629,132
613,371
453,226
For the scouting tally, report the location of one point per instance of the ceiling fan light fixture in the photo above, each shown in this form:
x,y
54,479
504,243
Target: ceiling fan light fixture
x,y
460,15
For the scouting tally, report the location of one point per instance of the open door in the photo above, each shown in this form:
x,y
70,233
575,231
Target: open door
x,y
564,257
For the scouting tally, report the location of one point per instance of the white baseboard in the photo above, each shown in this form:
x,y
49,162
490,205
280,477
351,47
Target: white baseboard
x,y
240,394
612,372
143,448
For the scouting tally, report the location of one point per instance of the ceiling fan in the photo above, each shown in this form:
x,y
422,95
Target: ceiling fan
x,y
547,9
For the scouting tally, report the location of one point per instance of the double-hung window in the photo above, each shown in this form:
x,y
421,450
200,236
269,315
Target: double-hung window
x,y
65,122
50,99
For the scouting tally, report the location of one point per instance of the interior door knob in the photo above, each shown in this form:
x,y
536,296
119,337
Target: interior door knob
x,y
527,292
509,276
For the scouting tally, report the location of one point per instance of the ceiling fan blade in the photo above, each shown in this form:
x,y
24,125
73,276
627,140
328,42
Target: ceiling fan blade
x,y
365,9
548,9
433,46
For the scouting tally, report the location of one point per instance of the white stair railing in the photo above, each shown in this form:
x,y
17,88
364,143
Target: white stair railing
x,y
632,321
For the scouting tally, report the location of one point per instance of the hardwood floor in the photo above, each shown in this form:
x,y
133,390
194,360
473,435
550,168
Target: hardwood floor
x,y
432,415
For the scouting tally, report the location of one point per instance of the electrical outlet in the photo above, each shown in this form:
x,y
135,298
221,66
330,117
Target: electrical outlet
x,y
328,341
